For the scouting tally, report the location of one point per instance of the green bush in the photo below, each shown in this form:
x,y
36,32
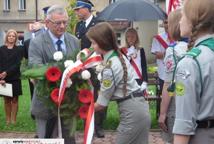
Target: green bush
x,y
26,124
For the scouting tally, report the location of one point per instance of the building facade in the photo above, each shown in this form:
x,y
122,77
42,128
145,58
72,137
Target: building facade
x,y
18,14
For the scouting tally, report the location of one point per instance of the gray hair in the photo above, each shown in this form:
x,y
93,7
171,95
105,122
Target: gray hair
x,y
56,9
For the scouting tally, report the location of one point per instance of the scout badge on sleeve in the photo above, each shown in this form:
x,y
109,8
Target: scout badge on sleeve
x,y
180,89
107,82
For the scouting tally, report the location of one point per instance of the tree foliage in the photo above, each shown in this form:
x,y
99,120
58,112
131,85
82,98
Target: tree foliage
x,y
72,16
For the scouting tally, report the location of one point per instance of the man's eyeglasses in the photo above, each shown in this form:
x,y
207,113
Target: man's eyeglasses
x,y
58,23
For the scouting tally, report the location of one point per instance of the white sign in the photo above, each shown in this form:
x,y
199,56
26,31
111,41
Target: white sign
x,y
6,90
31,141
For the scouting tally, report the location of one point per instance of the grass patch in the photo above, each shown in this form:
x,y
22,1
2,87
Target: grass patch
x,y
24,120
26,124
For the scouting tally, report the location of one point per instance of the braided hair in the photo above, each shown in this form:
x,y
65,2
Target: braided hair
x,y
103,34
201,15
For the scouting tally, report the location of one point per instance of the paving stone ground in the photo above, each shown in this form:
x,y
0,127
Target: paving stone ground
x,y
154,137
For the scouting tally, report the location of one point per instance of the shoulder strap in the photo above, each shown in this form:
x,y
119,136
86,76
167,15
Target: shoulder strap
x,y
162,41
172,45
194,52
209,43
124,51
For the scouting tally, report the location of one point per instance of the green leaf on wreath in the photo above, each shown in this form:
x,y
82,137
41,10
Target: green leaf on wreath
x,y
35,73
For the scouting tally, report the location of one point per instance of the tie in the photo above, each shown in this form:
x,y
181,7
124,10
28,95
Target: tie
x,y
82,28
83,25
58,43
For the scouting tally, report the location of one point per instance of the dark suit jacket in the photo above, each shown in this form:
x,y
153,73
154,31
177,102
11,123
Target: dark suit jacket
x,y
26,48
85,42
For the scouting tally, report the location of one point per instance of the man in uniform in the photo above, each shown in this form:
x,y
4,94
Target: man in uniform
x,y
87,20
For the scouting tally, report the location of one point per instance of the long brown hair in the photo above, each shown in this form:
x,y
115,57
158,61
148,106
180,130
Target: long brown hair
x,y
201,15
7,34
173,24
104,35
132,31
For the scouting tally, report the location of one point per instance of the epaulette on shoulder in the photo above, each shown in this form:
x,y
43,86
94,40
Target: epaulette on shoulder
x,y
194,52
209,43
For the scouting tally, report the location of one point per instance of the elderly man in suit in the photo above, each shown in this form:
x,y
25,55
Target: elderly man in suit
x,y
41,52
87,20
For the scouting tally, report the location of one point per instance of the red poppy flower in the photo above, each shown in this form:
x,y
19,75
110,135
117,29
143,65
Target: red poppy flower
x,y
55,95
53,74
83,111
85,96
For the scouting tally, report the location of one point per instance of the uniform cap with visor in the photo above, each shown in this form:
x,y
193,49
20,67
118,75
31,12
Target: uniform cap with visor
x,y
45,10
83,4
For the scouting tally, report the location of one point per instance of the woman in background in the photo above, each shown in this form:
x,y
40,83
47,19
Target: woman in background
x,y
10,60
136,55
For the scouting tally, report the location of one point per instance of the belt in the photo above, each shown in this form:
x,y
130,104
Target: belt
x,y
205,124
137,94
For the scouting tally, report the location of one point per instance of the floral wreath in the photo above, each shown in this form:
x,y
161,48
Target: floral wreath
x,y
65,87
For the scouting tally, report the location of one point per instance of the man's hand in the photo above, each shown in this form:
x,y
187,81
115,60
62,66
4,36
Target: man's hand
x,y
3,75
2,82
159,55
162,122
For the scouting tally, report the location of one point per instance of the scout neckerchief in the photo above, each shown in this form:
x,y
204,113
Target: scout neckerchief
x,y
124,51
114,53
194,52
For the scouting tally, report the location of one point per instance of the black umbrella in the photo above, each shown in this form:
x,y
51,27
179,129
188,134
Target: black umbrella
x,y
132,10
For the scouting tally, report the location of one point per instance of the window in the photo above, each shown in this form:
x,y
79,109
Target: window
x,y
118,38
6,5
112,1
20,38
22,4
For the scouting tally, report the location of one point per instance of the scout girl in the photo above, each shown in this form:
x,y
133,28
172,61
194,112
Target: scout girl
x,y
118,84
173,53
194,121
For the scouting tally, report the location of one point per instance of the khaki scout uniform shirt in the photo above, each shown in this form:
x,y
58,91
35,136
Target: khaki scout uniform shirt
x,y
112,80
190,107
170,61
